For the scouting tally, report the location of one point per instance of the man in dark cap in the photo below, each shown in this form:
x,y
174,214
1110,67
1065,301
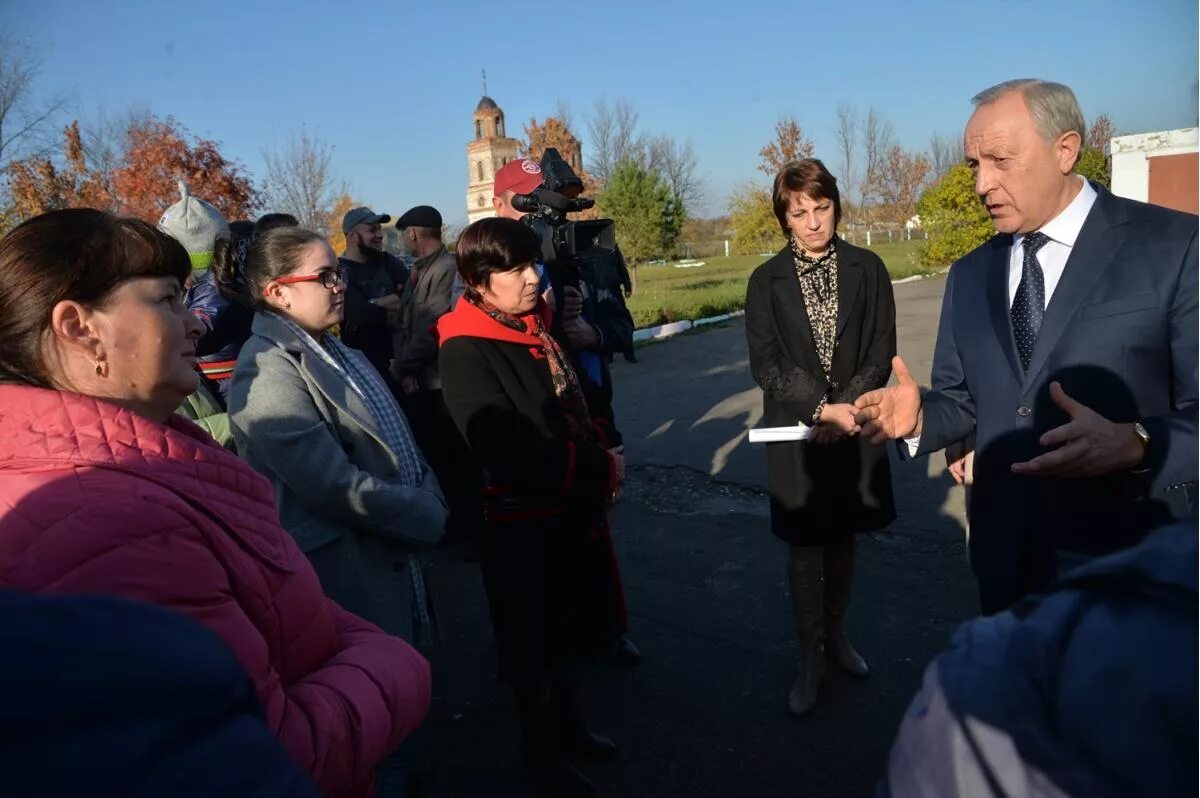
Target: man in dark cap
x,y
415,366
374,282
425,300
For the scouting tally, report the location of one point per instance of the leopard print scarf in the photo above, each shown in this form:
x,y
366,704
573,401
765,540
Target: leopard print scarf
x,y
819,284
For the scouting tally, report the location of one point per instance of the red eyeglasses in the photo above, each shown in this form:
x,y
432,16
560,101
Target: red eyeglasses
x,y
330,278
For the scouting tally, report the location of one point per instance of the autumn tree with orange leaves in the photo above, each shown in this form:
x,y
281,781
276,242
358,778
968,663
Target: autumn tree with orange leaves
x,y
336,238
155,155
158,154
36,185
555,132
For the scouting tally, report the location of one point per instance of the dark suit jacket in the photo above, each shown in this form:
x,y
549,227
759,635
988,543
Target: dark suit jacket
x,y
822,493
1120,335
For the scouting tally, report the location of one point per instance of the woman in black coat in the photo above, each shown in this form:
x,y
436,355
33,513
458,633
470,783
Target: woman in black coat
x,y
549,479
821,329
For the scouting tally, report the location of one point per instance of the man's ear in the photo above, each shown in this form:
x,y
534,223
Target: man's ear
x,y
75,327
1066,149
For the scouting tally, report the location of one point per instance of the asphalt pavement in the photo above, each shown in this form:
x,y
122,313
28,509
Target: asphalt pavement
x,y
704,714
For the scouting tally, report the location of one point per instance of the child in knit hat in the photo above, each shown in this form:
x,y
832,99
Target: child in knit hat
x,y
205,234
195,224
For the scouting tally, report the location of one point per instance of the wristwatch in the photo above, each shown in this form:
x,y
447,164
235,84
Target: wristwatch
x,y
1144,437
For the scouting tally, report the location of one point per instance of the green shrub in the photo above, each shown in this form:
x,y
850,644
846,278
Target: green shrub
x,y
954,218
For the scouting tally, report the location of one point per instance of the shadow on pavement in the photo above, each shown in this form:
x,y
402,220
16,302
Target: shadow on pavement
x,y
704,715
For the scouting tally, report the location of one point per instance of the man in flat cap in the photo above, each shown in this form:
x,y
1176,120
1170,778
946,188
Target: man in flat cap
x,y
425,301
415,366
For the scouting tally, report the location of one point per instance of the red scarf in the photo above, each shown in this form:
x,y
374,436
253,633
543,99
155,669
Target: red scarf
x,y
482,320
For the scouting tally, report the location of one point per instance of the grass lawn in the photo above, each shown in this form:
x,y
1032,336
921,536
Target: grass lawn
x,y
666,293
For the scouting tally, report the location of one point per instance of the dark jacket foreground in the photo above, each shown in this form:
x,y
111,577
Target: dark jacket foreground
x,y
546,560
106,697
822,493
1089,690
366,326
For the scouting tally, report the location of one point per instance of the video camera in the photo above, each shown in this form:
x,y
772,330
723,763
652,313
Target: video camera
x,y
546,209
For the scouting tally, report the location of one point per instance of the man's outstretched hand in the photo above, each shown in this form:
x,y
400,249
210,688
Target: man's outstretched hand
x,y
1088,445
893,412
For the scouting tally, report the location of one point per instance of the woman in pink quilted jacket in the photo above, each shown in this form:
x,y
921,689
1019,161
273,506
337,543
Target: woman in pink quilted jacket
x,y
104,491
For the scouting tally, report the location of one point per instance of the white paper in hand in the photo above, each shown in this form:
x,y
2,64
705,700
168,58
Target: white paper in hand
x,y
799,432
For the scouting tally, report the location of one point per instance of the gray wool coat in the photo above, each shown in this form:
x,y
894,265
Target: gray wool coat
x,y
298,422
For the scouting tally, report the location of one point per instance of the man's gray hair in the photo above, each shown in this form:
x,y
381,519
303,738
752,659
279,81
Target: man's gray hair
x,y
1052,105
428,232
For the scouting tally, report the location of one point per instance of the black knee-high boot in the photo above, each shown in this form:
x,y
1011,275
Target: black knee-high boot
x,y
839,575
573,734
540,754
805,575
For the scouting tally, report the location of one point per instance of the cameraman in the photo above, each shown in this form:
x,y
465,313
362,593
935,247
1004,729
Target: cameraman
x,y
593,318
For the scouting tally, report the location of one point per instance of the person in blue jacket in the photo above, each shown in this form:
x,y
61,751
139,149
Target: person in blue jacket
x,y
1089,689
109,697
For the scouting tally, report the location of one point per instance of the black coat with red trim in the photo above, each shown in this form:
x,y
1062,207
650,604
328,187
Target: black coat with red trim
x,y
546,558
497,385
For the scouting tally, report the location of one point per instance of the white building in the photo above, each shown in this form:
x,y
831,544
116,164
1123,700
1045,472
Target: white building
x,y
1158,167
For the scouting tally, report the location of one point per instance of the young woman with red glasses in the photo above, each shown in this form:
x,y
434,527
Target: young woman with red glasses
x,y
315,417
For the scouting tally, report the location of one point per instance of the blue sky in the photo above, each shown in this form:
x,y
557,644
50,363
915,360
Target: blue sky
x,y
392,86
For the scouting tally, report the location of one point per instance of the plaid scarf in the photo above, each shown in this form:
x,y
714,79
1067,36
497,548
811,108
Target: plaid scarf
x,y
566,382
365,381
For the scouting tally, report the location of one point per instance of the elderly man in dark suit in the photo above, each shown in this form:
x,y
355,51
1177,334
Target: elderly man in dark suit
x,y
1067,344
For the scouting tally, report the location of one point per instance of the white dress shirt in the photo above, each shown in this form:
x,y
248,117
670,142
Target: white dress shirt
x,y
1062,231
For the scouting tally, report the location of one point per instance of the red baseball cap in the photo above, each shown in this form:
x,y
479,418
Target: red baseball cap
x,y
521,176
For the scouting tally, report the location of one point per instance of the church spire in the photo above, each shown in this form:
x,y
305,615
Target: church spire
x,y
485,83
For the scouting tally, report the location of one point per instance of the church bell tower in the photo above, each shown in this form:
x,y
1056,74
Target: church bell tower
x,y
489,150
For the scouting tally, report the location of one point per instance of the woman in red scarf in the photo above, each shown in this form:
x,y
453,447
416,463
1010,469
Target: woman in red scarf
x,y
546,567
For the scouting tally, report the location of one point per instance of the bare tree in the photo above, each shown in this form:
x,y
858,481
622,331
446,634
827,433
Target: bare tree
x,y
676,162
562,110
105,137
612,130
877,140
902,178
300,180
1100,133
846,135
944,153
29,125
